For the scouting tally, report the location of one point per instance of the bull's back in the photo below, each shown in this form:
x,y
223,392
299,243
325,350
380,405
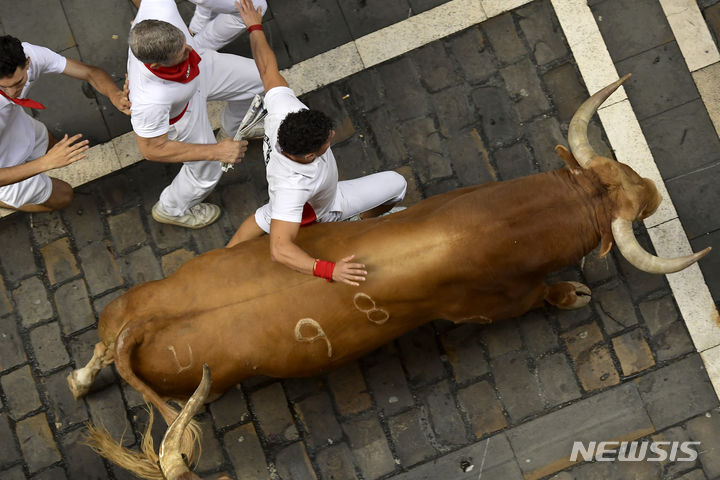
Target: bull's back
x,y
243,314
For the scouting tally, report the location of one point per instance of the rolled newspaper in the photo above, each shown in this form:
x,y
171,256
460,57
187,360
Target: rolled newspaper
x,y
254,115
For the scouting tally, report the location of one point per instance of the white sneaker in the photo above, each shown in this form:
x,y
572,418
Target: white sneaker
x,y
199,216
394,210
356,218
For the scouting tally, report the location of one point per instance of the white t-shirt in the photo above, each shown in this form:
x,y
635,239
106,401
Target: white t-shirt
x,y
292,184
17,133
154,100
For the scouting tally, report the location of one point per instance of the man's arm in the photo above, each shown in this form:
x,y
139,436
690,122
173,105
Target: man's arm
x,y
283,249
100,81
64,152
262,53
162,149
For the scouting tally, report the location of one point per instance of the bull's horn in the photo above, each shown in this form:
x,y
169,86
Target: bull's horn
x,y
641,258
577,133
171,460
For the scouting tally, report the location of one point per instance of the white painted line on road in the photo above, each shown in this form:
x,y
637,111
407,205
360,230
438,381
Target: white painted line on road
x,y
630,147
711,359
324,69
699,50
419,30
691,33
100,161
496,7
588,47
664,228
688,287
708,84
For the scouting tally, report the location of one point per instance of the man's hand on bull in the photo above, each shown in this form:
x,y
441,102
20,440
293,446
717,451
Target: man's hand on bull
x,y
350,273
230,151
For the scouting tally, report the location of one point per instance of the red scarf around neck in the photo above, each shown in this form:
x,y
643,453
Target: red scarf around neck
x,y
182,72
24,102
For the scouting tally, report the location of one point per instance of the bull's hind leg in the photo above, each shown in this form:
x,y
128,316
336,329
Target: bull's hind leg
x,y
81,380
568,295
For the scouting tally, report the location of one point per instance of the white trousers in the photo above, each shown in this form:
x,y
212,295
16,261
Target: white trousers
x,y
222,77
34,190
214,31
353,198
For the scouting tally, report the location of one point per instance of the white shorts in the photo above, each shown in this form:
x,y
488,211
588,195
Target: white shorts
x,y
222,77
353,198
36,189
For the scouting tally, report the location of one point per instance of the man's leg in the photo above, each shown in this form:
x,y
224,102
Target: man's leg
x,y
253,226
377,211
247,231
215,30
219,31
25,195
200,19
234,79
371,195
180,202
39,193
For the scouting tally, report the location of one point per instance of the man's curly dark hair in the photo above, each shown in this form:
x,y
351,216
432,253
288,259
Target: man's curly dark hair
x,y
12,55
304,132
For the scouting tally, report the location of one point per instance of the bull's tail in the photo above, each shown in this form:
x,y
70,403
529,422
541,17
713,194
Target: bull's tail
x,y
144,463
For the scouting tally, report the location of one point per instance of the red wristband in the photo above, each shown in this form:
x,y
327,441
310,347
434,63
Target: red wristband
x,y
323,269
252,28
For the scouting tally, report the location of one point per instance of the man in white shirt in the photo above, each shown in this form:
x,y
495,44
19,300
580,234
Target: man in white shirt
x,y
170,82
302,173
24,142
216,23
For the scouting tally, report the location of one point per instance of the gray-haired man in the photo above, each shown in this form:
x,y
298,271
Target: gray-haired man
x,y
170,83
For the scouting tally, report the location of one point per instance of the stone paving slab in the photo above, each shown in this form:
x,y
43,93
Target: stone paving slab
x,y
442,402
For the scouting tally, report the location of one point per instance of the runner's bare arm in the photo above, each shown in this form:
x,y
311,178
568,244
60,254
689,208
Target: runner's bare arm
x,y
262,53
100,81
162,149
283,249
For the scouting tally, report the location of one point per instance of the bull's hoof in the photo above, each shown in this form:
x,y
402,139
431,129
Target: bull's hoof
x,y
79,386
568,295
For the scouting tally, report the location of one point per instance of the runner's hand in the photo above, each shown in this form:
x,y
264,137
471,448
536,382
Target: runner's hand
x,y
230,151
350,273
249,14
65,152
121,99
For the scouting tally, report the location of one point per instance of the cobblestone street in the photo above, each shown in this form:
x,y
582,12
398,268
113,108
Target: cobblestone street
x,y
496,402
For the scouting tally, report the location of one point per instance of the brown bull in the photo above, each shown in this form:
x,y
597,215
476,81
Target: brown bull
x,y
478,254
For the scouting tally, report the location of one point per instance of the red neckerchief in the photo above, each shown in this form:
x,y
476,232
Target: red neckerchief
x,y
308,215
24,102
182,72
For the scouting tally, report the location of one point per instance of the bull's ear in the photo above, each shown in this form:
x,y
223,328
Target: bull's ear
x,y
567,157
606,243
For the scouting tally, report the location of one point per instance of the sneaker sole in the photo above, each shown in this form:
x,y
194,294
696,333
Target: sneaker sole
x,y
169,221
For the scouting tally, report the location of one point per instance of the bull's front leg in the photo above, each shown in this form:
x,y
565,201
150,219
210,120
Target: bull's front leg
x,y
81,380
568,295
